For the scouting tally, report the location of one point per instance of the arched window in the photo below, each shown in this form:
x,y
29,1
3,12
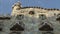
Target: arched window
x,y
0,29
58,17
42,16
1,25
46,27
16,29
32,12
20,17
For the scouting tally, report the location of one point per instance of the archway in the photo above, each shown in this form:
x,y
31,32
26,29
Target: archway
x,y
31,12
0,29
16,29
46,28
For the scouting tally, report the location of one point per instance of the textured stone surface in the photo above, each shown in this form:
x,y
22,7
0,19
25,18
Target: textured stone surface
x,y
31,22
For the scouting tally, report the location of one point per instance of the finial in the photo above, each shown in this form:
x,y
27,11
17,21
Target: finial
x,y
17,4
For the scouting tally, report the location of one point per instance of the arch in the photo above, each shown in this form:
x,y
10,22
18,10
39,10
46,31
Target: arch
x,y
17,27
20,17
46,27
58,18
42,16
32,12
0,29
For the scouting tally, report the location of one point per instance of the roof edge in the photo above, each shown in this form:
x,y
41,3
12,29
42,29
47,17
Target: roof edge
x,y
41,8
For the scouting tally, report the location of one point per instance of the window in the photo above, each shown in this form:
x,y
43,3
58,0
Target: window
x,y
58,18
42,16
20,17
58,15
32,12
17,27
0,29
46,27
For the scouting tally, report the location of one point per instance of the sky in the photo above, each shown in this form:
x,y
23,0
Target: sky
x,y
6,5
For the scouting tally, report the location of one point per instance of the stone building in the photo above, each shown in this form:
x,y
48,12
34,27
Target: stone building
x,y
30,20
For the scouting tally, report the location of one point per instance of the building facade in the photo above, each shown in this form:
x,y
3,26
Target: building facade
x,y
30,20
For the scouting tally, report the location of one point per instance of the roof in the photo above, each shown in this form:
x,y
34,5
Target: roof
x,y
4,17
41,8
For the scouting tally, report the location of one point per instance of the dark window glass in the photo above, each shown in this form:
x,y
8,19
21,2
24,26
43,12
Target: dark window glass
x,y
42,16
58,17
46,27
17,27
20,17
32,12
0,29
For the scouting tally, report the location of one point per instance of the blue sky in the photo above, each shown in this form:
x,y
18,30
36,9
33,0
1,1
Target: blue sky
x,y
5,5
